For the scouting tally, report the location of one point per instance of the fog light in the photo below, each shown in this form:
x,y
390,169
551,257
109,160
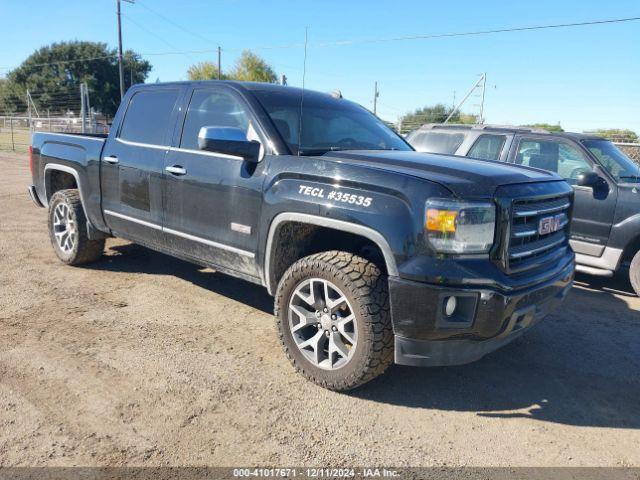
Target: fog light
x,y
450,305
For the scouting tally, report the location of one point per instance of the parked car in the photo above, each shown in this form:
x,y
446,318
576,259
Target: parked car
x,y
373,252
605,233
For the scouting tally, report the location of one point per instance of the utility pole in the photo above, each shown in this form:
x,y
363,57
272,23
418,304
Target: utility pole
x,y
29,107
484,84
120,67
83,108
376,94
219,63
457,107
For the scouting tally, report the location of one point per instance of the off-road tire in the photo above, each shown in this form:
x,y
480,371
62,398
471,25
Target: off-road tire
x,y
366,288
84,250
634,273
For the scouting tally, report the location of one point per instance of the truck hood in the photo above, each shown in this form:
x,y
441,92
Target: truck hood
x,y
465,177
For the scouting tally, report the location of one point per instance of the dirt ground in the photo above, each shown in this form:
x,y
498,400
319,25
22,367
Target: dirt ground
x,y
141,359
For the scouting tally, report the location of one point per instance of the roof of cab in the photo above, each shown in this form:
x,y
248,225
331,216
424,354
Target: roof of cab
x,y
508,129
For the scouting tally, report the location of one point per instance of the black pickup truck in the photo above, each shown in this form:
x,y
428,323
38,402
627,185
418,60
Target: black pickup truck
x,y
374,252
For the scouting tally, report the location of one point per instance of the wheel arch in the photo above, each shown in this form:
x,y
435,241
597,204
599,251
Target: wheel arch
x,y
271,268
51,169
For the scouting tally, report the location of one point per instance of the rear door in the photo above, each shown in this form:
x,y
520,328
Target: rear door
x,y
593,209
132,165
212,200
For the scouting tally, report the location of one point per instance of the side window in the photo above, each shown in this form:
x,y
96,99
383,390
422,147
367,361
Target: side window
x,y
148,115
487,147
559,157
212,108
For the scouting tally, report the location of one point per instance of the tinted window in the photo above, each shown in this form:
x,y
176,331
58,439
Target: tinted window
x,y
212,108
487,147
564,159
437,142
327,124
148,116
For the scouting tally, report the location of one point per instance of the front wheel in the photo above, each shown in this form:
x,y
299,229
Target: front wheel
x,y
634,273
68,230
333,319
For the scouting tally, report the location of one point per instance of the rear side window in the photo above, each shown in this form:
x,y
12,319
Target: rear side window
x,y
148,117
487,147
212,108
437,142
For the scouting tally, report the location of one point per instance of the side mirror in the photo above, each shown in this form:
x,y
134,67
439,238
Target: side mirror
x,y
588,179
229,141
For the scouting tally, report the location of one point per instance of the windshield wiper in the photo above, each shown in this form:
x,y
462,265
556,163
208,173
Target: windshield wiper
x,y
318,151
630,177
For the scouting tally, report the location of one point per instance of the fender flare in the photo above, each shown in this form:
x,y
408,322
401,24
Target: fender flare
x,y
64,168
342,225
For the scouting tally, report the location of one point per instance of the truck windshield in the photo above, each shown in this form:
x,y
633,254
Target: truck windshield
x,y
328,123
621,167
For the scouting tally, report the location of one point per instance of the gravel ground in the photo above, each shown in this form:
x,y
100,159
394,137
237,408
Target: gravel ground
x,y
141,359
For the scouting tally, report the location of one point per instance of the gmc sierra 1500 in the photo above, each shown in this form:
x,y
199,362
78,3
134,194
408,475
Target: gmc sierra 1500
x,y
373,252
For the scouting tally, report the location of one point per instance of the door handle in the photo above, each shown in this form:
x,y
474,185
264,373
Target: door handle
x,y
112,159
176,170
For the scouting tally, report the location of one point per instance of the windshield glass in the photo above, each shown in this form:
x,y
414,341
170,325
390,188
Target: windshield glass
x,y
621,167
328,124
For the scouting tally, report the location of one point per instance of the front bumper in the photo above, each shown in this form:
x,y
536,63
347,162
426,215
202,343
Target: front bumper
x,y
488,319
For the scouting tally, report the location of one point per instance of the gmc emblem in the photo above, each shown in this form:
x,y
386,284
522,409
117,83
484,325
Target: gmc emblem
x,y
550,224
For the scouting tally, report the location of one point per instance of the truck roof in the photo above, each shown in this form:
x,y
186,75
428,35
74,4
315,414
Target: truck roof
x,y
509,129
250,86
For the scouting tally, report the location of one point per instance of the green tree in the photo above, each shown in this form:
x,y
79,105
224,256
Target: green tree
x,y
54,74
617,135
437,113
12,99
549,127
249,68
204,71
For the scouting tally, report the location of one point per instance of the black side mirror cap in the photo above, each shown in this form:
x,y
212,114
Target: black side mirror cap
x,y
588,179
229,141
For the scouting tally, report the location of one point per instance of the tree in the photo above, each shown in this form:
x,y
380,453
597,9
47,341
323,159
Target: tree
x,y
249,68
617,135
549,127
252,68
54,74
204,71
12,100
437,113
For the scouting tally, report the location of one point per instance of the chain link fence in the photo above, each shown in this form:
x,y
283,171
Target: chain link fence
x,y
632,150
67,112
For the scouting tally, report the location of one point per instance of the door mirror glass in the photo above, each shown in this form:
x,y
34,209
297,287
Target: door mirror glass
x,y
587,179
228,141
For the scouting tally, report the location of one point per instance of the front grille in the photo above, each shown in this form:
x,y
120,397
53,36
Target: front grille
x,y
531,245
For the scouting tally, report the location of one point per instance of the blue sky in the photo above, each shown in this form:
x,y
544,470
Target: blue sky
x,y
584,78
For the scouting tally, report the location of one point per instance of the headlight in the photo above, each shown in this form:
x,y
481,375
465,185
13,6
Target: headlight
x,y
460,227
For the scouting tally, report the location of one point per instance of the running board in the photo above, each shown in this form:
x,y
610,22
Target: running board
x,y
600,272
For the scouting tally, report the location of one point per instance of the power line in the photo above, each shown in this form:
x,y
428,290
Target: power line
x,y
478,32
176,25
363,41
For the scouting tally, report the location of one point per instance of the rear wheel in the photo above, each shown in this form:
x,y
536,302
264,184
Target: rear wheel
x,y
333,318
634,273
68,229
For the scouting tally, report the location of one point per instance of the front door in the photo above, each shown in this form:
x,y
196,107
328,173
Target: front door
x,y
213,201
132,166
593,208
